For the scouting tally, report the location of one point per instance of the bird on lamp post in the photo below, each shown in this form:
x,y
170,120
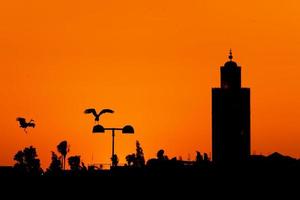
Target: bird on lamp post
x,y
97,115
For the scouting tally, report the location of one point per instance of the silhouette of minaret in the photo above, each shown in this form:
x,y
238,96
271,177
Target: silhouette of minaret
x,y
230,117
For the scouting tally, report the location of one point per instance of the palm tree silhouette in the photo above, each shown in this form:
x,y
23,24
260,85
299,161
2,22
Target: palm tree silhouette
x,y
63,149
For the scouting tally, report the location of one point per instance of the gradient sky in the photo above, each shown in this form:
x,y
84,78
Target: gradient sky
x,y
154,63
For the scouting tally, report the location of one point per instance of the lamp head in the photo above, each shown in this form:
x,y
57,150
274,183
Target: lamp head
x,y
128,130
98,129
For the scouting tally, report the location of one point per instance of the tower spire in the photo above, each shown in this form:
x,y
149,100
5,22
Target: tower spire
x,y
230,55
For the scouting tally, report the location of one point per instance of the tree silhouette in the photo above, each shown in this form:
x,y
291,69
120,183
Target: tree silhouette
x,y
130,159
199,158
161,155
206,159
30,157
63,149
55,165
74,163
83,167
139,160
27,161
19,157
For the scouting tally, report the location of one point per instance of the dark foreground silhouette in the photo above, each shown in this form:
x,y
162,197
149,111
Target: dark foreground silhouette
x,y
258,166
159,175
271,175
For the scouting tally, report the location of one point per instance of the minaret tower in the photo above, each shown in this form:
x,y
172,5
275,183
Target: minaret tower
x,y
230,116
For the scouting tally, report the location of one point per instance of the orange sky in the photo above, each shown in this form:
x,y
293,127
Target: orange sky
x,y
154,63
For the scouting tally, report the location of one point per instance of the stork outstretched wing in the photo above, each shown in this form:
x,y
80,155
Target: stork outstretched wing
x,y
22,121
91,110
106,111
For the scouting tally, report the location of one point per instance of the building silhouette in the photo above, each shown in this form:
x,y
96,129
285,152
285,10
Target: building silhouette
x,y
230,117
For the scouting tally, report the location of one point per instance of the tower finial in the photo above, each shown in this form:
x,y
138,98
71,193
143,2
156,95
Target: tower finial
x,y
230,55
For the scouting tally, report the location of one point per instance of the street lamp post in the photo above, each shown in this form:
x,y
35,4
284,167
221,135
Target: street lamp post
x,y
128,129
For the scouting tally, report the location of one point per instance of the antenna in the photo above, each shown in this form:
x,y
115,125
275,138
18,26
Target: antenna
x,y
230,55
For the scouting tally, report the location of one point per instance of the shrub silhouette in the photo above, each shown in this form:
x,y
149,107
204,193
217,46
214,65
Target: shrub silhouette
x,y
161,155
137,159
55,165
27,162
74,163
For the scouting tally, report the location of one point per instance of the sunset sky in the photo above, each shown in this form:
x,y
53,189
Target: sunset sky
x,y
154,63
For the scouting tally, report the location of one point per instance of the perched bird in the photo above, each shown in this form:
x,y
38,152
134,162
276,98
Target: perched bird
x,y
24,124
97,116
